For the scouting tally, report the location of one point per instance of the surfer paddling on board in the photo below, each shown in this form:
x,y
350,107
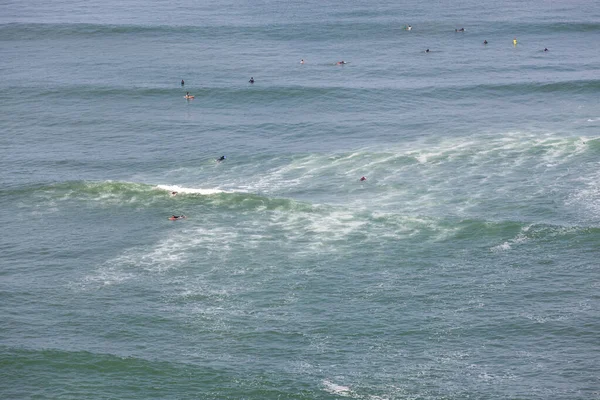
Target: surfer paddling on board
x,y
341,62
176,217
173,194
222,158
363,179
188,96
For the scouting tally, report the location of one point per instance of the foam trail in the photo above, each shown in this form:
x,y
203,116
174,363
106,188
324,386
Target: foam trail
x,y
179,189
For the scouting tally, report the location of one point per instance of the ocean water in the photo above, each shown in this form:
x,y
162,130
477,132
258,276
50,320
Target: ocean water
x,y
464,267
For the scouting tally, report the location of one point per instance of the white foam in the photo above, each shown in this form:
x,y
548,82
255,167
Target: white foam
x,y
519,239
174,250
491,157
540,319
104,276
184,190
321,231
337,225
333,388
501,247
587,198
293,174
167,254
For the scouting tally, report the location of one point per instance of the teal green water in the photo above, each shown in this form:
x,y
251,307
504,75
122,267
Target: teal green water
x,y
463,267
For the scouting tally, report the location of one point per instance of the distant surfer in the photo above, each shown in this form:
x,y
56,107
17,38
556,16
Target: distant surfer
x,y
182,82
363,179
514,41
302,61
188,96
176,217
485,42
427,51
409,28
251,79
173,193
545,49
341,62
222,158
459,30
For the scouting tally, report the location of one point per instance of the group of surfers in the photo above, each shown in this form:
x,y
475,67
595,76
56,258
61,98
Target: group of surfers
x,y
188,96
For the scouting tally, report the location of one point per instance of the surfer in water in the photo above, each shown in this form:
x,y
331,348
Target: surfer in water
x,y
173,194
302,61
427,51
175,217
485,42
363,179
222,158
182,82
341,62
409,28
188,96
251,79
459,30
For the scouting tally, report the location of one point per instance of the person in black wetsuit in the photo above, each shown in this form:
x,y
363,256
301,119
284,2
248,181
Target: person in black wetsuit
x,y
222,158
182,82
251,79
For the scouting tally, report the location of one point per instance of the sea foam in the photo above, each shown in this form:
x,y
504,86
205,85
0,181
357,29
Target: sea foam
x,y
184,190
